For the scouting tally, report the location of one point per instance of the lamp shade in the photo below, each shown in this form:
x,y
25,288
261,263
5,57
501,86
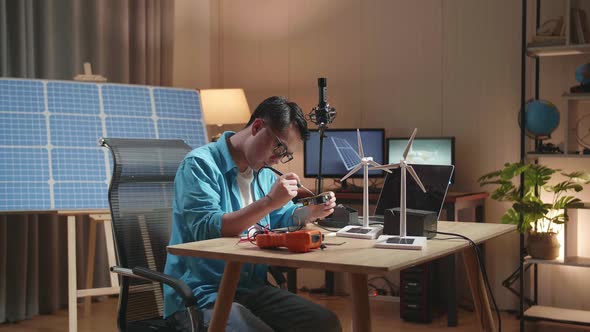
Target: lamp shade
x,y
225,106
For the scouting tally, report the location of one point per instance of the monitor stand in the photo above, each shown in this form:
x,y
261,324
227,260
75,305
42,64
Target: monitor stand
x,y
360,232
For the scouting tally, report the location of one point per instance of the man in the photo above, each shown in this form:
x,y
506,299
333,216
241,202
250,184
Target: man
x,y
222,189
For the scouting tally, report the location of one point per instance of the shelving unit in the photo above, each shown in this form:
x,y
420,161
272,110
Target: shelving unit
x,y
571,256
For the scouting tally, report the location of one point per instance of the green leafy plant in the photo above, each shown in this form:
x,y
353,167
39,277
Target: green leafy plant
x,y
538,216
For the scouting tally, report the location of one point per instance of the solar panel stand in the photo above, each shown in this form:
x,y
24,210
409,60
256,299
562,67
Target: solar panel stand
x,y
88,76
73,292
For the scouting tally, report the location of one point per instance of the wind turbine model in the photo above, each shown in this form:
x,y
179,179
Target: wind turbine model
x,y
365,232
403,241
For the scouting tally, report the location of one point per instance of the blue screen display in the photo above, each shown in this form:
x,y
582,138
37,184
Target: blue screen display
x,y
340,151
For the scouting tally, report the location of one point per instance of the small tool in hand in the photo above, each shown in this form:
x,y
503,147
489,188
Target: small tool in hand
x,y
299,185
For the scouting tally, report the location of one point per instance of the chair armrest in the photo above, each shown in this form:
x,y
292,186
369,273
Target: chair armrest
x,y
178,285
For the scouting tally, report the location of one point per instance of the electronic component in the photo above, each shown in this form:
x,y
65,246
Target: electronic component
x,y
299,241
315,200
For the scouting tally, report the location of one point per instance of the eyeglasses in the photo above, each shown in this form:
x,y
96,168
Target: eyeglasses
x,y
281,150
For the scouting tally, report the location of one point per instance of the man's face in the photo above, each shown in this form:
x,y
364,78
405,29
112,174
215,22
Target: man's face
x,y
270,147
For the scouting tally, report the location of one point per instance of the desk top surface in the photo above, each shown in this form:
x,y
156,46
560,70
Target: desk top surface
x,y
355,255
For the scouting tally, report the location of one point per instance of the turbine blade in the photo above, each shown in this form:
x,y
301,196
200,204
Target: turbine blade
x,y
352,171
360,143
388,166
410,141
376,164
415,176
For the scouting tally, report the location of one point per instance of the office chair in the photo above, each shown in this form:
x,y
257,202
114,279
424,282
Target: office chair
x,y
140,197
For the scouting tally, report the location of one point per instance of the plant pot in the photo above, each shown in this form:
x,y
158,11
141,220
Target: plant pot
x,y
543,245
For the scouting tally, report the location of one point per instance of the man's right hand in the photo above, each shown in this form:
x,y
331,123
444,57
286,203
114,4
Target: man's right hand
x,y
283,190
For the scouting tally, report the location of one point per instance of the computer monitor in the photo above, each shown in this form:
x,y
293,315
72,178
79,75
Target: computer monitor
x,y
425,151
435,179
340,152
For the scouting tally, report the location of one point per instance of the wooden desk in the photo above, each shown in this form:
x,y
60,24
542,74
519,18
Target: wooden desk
x,y
357,257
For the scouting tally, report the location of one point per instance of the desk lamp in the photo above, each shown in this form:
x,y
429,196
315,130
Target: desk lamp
x,y
223,107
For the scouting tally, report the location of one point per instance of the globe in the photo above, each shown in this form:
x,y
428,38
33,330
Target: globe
x,y
583,74
541,117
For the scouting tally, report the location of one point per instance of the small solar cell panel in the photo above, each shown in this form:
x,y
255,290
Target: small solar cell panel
x,y
350,158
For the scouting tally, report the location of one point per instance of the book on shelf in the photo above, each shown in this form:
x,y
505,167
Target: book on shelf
x,y
547,41
579,31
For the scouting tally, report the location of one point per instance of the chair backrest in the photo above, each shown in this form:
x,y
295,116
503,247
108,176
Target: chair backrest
x,y
140,197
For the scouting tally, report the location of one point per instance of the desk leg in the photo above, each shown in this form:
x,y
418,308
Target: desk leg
x,y
478,291
361,317
72,286
225,297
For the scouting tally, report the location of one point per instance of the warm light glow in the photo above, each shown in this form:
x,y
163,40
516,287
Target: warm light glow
x,y
225,106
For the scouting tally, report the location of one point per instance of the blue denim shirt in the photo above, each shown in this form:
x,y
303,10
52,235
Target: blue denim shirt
x,y
205,188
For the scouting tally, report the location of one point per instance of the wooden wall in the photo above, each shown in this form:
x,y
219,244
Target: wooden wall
x,y
448,67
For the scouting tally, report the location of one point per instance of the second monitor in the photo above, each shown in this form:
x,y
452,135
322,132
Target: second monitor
x,y
425,151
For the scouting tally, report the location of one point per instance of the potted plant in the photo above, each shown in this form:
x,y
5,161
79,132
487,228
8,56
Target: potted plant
x,y
539,218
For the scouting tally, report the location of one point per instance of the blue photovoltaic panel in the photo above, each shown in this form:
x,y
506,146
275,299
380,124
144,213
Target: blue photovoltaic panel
x,y
124,127
22,96
80,195
72,164
24,165
177,104
25,196
28,129
192,132
75,130
73,98
126,100
49,131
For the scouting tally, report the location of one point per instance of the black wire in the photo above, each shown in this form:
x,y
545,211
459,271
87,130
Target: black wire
x,y
391,285
481,267
334,229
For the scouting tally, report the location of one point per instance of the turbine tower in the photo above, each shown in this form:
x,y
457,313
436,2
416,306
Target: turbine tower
x,y
366,163
405,241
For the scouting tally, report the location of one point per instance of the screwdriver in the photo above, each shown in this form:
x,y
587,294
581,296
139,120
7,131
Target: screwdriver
x,y
299,185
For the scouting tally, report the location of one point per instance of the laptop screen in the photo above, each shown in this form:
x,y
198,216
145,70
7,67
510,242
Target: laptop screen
x,y
435,178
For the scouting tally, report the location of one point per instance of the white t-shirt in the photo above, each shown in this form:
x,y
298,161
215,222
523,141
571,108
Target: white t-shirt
x,y
244,180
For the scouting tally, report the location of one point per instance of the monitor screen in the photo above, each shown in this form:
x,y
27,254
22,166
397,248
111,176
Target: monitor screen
x,y
435,179
340,152
424,150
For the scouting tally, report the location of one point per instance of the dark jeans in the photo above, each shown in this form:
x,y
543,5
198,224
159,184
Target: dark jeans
x,y
269,309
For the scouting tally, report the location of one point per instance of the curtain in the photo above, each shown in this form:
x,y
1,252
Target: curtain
x,y
127,41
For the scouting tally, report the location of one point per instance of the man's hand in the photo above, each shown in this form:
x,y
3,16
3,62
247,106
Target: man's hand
x,y
311,213
283,190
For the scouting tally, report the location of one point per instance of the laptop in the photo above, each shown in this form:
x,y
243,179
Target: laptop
x,y
436,180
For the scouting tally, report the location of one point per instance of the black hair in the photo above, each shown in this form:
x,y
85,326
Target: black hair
x,y
279,112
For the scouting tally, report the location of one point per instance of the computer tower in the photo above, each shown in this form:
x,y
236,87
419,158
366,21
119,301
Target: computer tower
x,y
417,293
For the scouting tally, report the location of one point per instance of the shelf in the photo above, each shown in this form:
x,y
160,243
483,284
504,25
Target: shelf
x,y
539,312
568,261
581,206
557,155
576,96
540,51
